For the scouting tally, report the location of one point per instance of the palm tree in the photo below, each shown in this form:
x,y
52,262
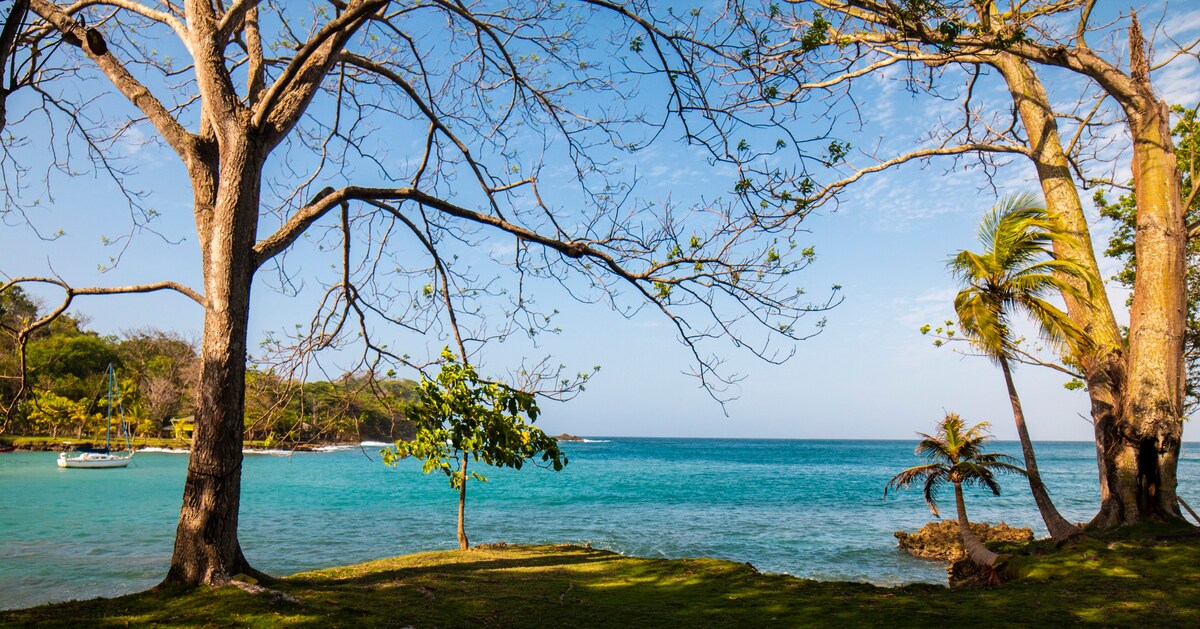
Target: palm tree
x,y
956,456
1016,272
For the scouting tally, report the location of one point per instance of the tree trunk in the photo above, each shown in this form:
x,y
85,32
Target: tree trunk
x,y
1058,526
1141,450
975,548
206,542
463,544
1104,365
1136,393
1143,457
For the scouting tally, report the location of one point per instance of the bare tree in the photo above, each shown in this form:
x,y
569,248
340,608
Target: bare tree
x,y
403,140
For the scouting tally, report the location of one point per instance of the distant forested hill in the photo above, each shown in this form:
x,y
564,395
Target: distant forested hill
x,y
64,392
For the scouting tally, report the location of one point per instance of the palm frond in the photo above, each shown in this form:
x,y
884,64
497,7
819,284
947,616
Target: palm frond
x,y
1017,272
1056,328
999,459
930,491
990,483
912,475
980,432
933,449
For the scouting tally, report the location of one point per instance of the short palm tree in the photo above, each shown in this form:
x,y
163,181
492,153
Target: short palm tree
x,y
1015,273
955,454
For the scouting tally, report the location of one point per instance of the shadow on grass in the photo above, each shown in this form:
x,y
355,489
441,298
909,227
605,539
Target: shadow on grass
x,y
450,564
1112,583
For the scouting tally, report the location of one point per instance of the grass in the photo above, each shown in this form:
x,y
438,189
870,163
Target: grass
x,y
1116,581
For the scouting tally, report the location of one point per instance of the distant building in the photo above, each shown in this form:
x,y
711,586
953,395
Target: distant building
x,y
181,427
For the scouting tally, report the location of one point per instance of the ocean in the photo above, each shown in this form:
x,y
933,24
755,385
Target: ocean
x,y
812,509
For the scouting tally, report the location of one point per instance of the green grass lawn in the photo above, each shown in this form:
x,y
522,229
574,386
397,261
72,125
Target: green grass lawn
x,y
1129,582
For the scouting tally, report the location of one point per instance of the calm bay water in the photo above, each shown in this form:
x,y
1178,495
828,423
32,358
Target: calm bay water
x,y
808,508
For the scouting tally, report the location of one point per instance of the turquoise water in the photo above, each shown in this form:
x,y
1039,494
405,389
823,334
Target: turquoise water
x,y
808,508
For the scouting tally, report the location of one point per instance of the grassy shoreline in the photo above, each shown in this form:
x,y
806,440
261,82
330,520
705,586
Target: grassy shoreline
x,y
1117,581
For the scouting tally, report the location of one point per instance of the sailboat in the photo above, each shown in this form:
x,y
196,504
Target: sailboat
x,y
103,457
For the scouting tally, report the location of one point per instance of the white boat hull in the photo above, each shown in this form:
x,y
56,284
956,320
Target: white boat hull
x,y
93,460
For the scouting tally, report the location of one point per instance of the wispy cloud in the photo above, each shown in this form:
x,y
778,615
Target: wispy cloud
x,y
1179,83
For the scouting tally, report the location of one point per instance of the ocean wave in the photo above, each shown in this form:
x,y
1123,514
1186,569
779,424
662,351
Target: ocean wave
x,y
374,444
597,441
270,452
167,450
333,448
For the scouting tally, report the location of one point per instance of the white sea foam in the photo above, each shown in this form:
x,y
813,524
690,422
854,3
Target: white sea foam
x,y
597,441
374,444
332,448
167,450
270,452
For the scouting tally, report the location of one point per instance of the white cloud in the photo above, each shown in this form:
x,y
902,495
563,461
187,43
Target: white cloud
x,y
1179,83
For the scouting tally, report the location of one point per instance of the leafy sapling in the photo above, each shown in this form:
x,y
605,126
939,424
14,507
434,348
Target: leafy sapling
x,y
460,418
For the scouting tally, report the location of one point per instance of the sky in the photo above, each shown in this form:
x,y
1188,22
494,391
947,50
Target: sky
x,y
869,374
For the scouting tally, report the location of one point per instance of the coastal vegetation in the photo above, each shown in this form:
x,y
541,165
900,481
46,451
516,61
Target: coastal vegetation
x,y
955,455
62,397
1135,380
291,136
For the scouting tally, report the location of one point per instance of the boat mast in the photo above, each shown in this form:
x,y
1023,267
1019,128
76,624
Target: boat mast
x,y
108,422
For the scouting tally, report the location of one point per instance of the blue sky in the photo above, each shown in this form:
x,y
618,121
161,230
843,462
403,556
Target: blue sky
x,y
869,374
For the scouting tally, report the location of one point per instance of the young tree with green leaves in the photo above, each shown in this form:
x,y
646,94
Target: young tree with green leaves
x,y
955,454
461,419
1016,273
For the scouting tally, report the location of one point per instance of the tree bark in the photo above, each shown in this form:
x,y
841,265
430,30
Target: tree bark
x,y
1143,456
1058,526
463,543
975,548
206,541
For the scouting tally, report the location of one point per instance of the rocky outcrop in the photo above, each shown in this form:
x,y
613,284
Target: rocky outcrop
x,y
569,438
941,540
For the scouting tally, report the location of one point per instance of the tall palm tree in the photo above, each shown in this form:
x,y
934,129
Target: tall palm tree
x,y
1016,273
956,456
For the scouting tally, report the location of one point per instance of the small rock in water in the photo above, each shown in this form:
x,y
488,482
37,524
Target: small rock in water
x,y
941,540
